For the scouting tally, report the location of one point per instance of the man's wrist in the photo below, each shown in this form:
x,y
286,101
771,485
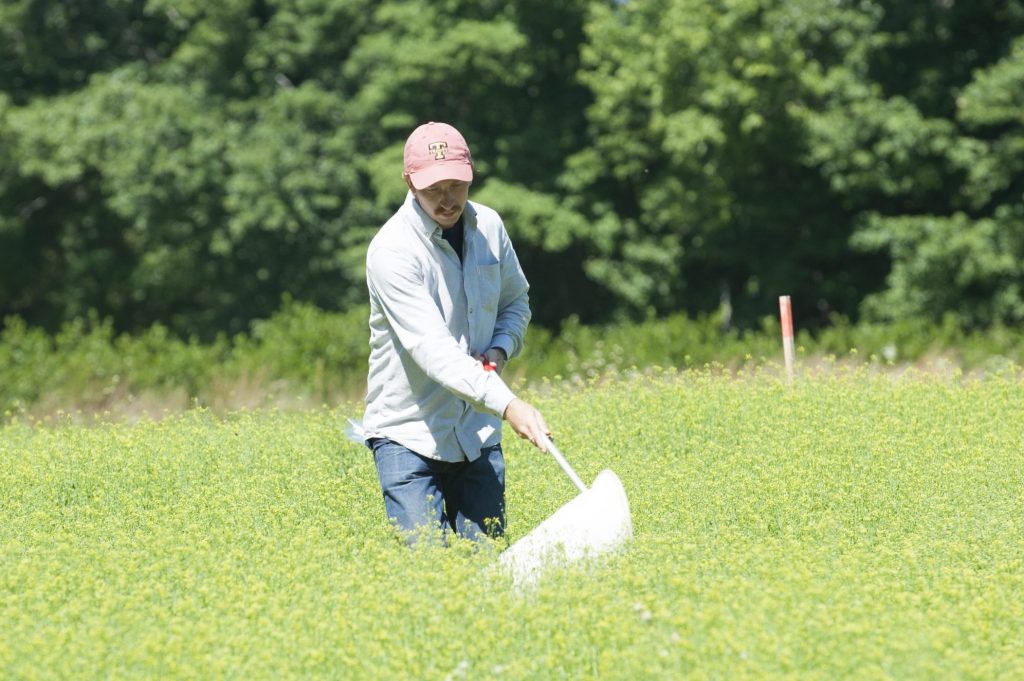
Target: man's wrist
x,y
504,355
508,407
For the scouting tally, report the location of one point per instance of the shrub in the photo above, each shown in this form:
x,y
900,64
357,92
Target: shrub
x,y
320,357
324,353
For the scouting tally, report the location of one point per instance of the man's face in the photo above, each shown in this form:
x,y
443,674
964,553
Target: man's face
x,y
444,201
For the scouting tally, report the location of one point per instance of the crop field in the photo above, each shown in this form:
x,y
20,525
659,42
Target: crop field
x,y
847,525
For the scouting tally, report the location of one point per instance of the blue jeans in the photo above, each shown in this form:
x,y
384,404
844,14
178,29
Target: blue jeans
x,y
467,497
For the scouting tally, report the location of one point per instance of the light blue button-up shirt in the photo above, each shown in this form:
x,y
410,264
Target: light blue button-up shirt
x,y
428,314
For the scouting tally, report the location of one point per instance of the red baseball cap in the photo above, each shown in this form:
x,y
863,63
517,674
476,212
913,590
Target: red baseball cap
x,y
436,152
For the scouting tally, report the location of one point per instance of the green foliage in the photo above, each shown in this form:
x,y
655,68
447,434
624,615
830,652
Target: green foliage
x,y
971,269
87,366
697,148
303,356
580,352
846,525
188,163
127,206
51,48
901,138
324,353
254,153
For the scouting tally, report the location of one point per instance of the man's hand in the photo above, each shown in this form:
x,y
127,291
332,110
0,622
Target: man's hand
x,y
496,357
527,422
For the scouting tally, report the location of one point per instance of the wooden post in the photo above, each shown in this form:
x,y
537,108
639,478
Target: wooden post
x,y
789,352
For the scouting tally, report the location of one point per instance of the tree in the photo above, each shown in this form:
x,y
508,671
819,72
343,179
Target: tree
x,y
967,262
51,48
203,160
192,163
834,151
696,171
920,132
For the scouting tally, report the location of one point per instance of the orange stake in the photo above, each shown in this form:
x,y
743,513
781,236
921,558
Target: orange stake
x,y
789,352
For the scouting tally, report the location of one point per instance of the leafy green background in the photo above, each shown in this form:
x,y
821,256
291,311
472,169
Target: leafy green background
x,y
189,164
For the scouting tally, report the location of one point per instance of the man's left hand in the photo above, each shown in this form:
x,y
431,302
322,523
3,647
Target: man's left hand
x,y
495,356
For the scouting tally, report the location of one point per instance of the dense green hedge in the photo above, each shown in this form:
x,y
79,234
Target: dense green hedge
x,y
303,355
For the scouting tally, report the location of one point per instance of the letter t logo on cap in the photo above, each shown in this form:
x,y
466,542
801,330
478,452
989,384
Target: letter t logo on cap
x,y
438,149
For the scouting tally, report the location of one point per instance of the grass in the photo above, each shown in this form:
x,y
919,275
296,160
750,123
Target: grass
x,y
850,525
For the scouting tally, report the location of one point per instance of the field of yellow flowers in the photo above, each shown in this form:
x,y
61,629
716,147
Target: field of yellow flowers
x,y
849,524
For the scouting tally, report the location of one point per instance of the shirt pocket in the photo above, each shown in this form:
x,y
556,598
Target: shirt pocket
x,y
489,285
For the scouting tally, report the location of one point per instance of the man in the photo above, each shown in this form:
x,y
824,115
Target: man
x,y
448,309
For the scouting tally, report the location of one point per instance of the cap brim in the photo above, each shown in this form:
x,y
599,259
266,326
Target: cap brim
x,y
439,172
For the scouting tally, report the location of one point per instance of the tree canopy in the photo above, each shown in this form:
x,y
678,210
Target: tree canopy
x,y
191,163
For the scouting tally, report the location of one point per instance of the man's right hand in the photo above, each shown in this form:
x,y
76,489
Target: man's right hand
x,y
527,422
